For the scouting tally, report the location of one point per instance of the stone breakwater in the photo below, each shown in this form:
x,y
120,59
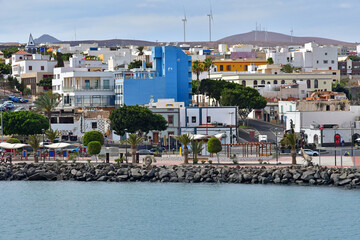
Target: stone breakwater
x,y
296,175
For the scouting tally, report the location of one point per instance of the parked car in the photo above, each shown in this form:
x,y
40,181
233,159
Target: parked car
x,y
19,109
9,105
23,100
145,152
2,108
160,149
11,96
310,152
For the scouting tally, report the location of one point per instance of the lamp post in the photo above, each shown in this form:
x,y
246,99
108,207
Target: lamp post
x,y
43,132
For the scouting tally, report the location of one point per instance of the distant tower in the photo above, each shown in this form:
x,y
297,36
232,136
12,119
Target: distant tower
x,y
210,15
30,46
292,31
184,20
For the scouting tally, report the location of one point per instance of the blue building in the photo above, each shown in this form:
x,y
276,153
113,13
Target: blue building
x,y
170,77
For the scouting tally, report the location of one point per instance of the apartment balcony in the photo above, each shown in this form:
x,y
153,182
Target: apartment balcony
x,y
87,89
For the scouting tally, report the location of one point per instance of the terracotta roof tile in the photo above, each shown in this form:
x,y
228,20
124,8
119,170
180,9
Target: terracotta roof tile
x,y
22,52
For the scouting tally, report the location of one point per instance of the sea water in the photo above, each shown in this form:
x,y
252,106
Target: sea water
x,y
98,210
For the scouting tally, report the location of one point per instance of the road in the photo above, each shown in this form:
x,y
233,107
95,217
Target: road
x,y
265,128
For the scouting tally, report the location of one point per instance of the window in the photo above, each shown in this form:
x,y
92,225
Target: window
x,y
208,119
94,124
325,53
243,82
308,83
327,108
30,68
317,61
255,83
228,67
332,61
187,119
326,61
325,83
262,81
96,84
275,81
66,120
20,57
193,119
171,119
294,81
268,82
106,84
290,108
87,84
334,73
221,68
54,120
42,68
316,84
282,81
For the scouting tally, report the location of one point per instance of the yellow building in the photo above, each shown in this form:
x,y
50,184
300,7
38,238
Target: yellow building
x,y
238,65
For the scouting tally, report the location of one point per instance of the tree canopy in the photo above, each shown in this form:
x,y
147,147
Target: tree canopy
x,y
93,136
9,51
94,147
24,123
214,145
245,98
138,64
45,82
5,68
132,119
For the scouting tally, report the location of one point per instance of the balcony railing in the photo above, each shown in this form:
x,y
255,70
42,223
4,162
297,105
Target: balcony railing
x,y
86,89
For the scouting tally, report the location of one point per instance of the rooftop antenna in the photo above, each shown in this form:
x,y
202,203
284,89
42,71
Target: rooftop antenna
x,y
184,20
292,31
210,15
75,32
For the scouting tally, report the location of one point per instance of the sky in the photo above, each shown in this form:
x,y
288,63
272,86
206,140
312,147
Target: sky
x,y
161,20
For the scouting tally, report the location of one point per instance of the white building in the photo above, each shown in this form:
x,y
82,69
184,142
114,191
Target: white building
x,y
210,121
80,87
310,57
23,62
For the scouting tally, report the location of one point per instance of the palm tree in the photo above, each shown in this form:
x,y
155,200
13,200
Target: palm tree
x,y
140,50
196,148
52,135
197,68
34,142
133,140
46,103
208,63
290,139
185,140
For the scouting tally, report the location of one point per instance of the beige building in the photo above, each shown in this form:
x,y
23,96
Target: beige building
x,y
31,79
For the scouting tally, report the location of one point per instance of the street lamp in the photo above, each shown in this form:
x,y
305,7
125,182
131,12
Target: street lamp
x,y
43,132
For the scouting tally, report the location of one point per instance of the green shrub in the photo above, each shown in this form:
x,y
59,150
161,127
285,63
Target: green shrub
x,y
94,147
119,160
214,145
195,161
13,140
203,161
93,136
210,161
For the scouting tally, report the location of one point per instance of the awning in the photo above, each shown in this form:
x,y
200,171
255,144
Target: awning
x,y
12,145
58,145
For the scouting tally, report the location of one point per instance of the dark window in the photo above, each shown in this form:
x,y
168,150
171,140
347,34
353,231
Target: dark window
x,y
282,81
208,119
54,120
262,81
228,67
275,81
94,124
30,67
66,120
193,119
171,119
334,73
327,108
294,81
255,83
187,119
316,84
308,83
42,68
243,82
221,68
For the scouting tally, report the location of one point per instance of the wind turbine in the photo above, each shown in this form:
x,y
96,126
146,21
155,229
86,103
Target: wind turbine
x,y
184,20
210,15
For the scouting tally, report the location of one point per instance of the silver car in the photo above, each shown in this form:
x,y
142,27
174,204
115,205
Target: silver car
x,y
310,152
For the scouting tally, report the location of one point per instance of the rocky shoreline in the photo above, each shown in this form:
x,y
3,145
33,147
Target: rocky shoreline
x,y
295,175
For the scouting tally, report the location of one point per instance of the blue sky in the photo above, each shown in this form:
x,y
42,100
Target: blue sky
x,y
161,19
